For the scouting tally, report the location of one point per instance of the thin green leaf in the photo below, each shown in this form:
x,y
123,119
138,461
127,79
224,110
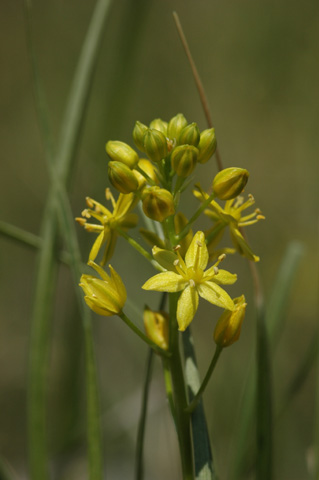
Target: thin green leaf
x,y
46,273
203,459
274,320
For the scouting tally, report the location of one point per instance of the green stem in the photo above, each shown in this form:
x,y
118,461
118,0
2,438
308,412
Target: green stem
x,y
179,394
185,230
210,370
138,332
139,248
139,471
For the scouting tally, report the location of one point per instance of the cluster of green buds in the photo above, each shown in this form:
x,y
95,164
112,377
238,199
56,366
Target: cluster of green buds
x,y
173,149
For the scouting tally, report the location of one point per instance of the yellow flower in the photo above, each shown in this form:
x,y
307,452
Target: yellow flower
x,y
107,296
120,217
231,215
191,279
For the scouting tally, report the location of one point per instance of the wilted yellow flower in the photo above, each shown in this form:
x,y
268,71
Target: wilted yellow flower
x,y
157,327
227,330
189,277
105,296
120,217
231,215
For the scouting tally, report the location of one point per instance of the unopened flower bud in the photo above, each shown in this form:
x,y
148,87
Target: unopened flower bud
x,y
184,159
121,152
157,327
160,125
227,330
158,203
139,131
150,170
176,125
189,135
155,144
105,296
122,177
230,182
207,145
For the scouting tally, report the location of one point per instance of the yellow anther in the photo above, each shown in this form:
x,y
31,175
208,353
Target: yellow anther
x,y
89,202
221,257
216,270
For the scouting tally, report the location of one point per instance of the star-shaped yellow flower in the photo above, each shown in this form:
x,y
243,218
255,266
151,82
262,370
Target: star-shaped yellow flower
x,y
190,277
120,217
231,215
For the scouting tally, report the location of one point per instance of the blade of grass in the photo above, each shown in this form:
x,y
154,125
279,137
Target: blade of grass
x,y
203,458
46,273
275,315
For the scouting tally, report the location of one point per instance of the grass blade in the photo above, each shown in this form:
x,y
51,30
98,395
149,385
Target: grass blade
x,y
203,459
46,273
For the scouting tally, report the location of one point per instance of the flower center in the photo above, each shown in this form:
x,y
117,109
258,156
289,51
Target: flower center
x,y
195,275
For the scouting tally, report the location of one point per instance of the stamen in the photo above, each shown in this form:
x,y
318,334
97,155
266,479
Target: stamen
x,y
221,257
216,270
109,196
89,202
199,243
176,248
86,213
81,221
192,283
176,262
261,217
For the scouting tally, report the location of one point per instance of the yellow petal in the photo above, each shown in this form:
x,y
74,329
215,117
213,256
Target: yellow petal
x,y
197,253
165,258
96,246
186,307
165,282
215,295
118,284
222,277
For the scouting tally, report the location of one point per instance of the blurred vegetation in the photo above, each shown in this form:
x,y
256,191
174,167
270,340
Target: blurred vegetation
x,y
258,62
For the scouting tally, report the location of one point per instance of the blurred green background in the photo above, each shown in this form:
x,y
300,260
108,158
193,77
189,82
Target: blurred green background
x,y
259,64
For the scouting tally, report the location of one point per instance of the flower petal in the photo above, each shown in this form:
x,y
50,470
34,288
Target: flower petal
x,y
186,307
96,246
215,295
197,253
118,284
165,282
165,258
222,277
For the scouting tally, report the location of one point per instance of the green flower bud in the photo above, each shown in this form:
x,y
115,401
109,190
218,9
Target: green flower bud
x,y
155,144
230,182
207,145
122,177
184,159
150,170
227,330
159,124
157,327
158,203
190,135
176,125
121,152
139,131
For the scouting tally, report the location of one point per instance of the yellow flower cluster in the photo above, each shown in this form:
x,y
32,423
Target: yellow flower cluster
x,y
171,152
